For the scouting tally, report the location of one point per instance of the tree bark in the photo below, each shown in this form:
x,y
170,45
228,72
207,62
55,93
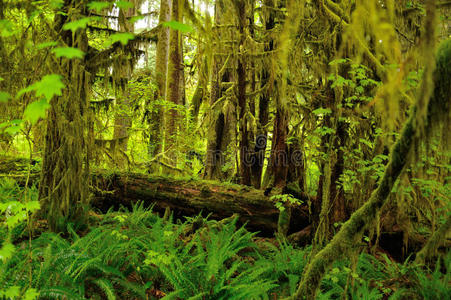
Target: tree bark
x,y
188,198
223,117
63,189
161,67
263,114
245,153
173,89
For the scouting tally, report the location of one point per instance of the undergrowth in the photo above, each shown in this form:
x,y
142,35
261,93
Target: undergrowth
x,y
138,255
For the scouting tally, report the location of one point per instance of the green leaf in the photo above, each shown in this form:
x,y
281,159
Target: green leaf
x,y
4,97
98,6
56,4
7,28
36,110
49,86
78,24
32,206
178,26
6,252
13,130
46,45
124,4
135,19
68,52
123,38
322,111
31,294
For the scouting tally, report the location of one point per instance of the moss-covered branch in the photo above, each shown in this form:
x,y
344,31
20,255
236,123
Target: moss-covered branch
x,y
352,231
345,240
434,242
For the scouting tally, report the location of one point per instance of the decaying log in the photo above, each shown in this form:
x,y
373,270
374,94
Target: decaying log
x,y
188,197
183,196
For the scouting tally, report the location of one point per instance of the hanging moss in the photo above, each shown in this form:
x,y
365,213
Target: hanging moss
x,y
352,231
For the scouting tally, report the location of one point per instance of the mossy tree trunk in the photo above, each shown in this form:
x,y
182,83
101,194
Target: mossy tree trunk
x,y
161,67
222,111
173,88
63,189
266,84
243,107
189,198
122,73
351,233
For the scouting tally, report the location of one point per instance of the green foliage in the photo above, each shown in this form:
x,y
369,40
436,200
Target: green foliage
x,y
4,97
129,253
322,111
49,86
78,24
210,266
98,6
123,38
124,4
14,211
36,110
184,28
285,199
68,52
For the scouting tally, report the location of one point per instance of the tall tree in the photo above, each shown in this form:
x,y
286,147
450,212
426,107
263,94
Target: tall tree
x,y
161,66
266,84
173,83
122,73
222,111
243,105
63,189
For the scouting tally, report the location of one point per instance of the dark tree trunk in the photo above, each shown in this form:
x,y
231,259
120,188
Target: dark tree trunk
x,y
223,121
262,132
63,189
279,153
245,153
173,89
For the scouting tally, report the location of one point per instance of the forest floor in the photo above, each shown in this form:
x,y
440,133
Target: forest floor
x,y
137,254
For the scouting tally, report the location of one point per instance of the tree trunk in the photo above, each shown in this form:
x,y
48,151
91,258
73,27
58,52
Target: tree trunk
x,y
261,137
218,163
279,152
161,67
123,70
173,89
245,154
63,189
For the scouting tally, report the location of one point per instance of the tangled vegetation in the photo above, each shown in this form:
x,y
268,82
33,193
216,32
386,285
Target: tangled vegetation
x,y
138,255
225,149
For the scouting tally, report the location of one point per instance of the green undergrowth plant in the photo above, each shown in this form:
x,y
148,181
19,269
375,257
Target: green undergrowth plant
x,y
136,254
16,206
215,264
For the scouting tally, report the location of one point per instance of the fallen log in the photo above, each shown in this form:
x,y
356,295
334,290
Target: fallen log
x,y
183,196
188,197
